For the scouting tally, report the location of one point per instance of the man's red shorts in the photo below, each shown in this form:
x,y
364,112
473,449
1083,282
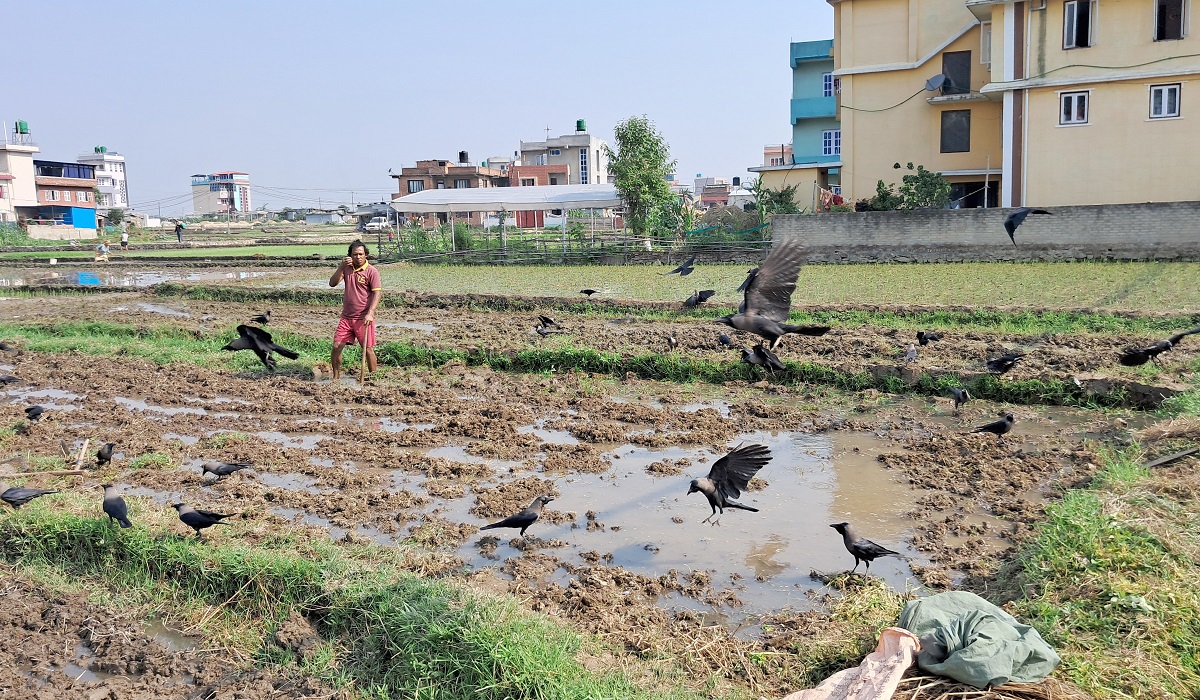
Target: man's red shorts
x,y
350,330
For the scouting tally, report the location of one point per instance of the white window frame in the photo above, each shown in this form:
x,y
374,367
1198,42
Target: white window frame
x,y
556,151
1165,87
985,43
1184,21
831,142
827,86
527,182
1071,6
2,190
584,172
1075,95
415,186
462,183
52,195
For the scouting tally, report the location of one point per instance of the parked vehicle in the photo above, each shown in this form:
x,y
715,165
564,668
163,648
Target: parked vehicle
x,y
378,223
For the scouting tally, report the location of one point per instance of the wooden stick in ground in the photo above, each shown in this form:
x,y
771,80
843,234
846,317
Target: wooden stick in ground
x,y
82,452
362,374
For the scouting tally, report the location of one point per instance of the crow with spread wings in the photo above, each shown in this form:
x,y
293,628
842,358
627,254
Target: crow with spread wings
x,y
768,299
728,477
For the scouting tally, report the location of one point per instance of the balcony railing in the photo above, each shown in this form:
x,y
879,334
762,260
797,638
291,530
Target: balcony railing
x,y
813,107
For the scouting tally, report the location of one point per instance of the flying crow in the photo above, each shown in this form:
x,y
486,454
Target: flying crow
x,y
587,292
1005,362
768,298
259,341
728,477
761,357
699,297
925,337
1133,357
686,268
1017,218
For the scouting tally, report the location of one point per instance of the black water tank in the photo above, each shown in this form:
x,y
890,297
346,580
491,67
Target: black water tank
x,y
737,182
462,157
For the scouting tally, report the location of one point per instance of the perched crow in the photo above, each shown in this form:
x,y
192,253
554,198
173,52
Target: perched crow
x,y
726,341
34,413
17,496
198,519
587,292
8,379
548,322
1000,427
728,477
114,506
1017,218
672,343
221,469
264,318
686,268
911,354
749,278
761,357
925,337
1005,362
768,298
523,519
1133,357
960,396
862,550
259,341
104,454
699,297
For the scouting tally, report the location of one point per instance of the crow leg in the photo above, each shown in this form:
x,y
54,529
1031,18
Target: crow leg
x,y
711,516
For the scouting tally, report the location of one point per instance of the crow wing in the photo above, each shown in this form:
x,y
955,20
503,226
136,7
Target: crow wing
x,y
706,294
211,515
1174,340
684,267
746,282
769,294
734,471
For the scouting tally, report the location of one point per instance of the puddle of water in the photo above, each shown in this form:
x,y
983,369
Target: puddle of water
x,y
139,405
289,482
427,327
395,426
813,480
31,394
458,453
162,498
718,405
303,442
85,657
161,309
172,640
185,439
335,532
109,277
553,437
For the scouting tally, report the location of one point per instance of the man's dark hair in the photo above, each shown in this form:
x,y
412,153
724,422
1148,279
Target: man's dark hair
x,y
358,244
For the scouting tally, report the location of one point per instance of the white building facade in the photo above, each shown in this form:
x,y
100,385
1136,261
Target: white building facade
x,y
583,155
110,177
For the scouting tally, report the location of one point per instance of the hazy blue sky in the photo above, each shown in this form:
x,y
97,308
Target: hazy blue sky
x,y
314,99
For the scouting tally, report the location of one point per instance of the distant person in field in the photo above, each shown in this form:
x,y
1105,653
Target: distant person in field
x,y
179,231
124,236
102,252
359,301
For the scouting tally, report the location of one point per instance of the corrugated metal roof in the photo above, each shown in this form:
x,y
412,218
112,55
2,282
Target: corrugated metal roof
x,y
539,198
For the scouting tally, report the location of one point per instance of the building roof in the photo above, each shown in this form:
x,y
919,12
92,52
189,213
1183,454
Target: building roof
x,y
537,198
6,176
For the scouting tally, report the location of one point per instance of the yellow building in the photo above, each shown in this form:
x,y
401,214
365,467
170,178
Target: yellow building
x,y
1025,111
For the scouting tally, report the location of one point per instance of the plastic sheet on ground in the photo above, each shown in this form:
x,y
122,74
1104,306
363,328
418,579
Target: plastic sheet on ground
x,y
876,677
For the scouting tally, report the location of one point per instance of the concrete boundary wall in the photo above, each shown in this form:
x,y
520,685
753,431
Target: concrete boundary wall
x,y
1165,231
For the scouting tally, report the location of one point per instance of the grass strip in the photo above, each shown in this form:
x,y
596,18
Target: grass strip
x,y
389,633
1110,581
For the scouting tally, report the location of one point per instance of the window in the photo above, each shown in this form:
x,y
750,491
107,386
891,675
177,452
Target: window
x,y
528,182
462,183
836,189
2,195
985,43
539,159
553,180
1168,20
51,195
831,142
66,195
583,167
1074,108
1164,101
1077,23
956,66
956,131
415,186
777,161
555,152
827,84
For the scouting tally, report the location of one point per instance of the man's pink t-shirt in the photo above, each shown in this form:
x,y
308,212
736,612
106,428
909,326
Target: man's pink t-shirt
x,y
359,285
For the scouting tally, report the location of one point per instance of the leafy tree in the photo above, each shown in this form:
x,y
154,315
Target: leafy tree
x,y
770,201
640,167
924,189
115,216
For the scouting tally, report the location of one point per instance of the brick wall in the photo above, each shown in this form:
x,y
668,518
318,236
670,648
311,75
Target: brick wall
x,y
1166,231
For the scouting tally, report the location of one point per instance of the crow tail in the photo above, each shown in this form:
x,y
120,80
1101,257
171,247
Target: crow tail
x,y
805,330
734,504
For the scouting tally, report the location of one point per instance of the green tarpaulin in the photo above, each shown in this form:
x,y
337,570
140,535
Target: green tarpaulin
x,y
966,638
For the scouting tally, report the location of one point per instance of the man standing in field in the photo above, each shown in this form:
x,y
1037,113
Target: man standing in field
x,y
359,301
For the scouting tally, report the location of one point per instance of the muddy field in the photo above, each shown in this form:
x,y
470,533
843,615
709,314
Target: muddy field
x,y
427,456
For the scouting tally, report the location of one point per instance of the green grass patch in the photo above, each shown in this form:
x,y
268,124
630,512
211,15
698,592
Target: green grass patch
x,y
1110,581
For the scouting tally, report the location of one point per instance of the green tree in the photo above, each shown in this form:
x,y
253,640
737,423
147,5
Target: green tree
x,y
770,201
924,189
115,216
640,166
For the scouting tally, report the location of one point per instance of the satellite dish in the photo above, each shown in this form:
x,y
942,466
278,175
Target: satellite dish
x,y
937,82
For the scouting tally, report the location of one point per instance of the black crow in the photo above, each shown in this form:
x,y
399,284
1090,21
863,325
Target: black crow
x,y
726,341
862,550
911,354
686,268
115,508
548,322
925,337
8,348
17,496
1005,362
762,357
749,278
587,292
672,343
34,413
543,331
8,379
523,519
221,469
259,341
198,519
1000,427
728,477
264,318
768,298
699,297
1133,357
960,396
1017,218
104,454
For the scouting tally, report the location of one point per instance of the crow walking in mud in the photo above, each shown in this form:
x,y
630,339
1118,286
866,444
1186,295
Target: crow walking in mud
x,y
104,454
960,397
728,477
686,268
1133,357
1005,362
264,318
18,496
259,341
198,519
547,322
114,506
672,342
998,428
862,550
726,341
768,298
221,469
544,331
34,413
926,337
762,357
6,379
699,297
523,519
1017,218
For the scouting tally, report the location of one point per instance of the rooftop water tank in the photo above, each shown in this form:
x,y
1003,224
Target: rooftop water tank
x,y
580,125
462,157
22,127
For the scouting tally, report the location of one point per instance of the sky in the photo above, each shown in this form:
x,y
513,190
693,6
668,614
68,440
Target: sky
x,y
317,100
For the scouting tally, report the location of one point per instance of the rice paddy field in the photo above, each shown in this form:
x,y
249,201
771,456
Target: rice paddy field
x,y
353,564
